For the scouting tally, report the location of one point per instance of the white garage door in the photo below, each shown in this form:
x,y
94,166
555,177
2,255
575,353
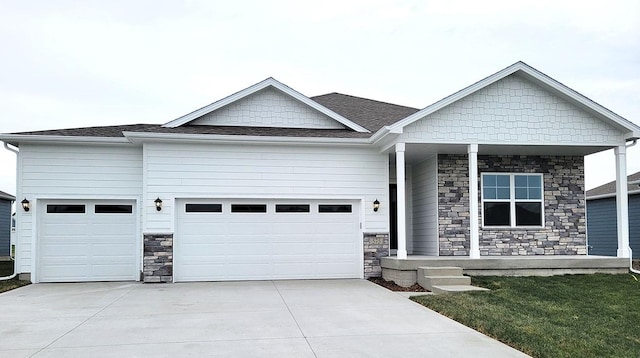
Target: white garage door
x,y
87,241
267,239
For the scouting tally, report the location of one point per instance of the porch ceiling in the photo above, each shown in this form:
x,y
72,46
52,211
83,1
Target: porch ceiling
x,y
416,152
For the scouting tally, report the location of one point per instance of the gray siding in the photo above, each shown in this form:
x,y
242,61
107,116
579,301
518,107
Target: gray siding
x,y
425,208
5,227
602,227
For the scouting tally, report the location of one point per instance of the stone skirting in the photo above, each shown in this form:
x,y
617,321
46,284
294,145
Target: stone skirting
x,y
376,246
158,258
564,231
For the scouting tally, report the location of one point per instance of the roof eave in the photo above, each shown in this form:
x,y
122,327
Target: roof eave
x,y
16,139
140,137
611,195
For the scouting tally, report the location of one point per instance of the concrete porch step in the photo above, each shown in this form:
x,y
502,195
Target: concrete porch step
x,y
455,288
440,271
445,279
431,281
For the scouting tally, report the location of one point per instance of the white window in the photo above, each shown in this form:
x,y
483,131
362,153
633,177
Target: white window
x,y
512,200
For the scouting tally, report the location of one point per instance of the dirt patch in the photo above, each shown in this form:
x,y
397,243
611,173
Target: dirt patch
x,y
390,285
636,265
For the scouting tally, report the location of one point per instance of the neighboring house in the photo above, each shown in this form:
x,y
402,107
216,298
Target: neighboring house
x,y
6,200
270,184
602,228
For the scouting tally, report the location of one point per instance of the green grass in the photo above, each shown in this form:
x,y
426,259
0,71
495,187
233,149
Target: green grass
x,y
560,316
6,269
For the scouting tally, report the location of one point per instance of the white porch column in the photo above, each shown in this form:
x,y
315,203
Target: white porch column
x,y
402,202
474,239
622,201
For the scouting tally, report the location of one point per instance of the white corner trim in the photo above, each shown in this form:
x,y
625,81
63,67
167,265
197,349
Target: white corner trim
x,y
633,130
269,82
140,137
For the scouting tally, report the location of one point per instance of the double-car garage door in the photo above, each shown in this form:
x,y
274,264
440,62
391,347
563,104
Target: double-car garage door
x,y
215,240
266,239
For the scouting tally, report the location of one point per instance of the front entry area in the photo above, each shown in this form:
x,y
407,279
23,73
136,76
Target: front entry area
x,y
264,239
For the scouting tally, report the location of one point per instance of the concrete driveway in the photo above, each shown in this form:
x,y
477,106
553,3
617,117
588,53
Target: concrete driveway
x,y
327,318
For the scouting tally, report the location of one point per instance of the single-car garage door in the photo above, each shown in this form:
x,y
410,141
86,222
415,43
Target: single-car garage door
x,y
267,239
87,241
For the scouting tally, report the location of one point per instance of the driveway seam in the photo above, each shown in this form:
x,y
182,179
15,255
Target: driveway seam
x,y
85,321
294,319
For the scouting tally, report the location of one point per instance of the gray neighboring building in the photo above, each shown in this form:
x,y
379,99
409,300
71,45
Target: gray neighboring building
x,y
5,224
601,218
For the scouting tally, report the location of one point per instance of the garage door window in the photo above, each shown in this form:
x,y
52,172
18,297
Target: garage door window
x,y
248,208
203,208
113,209
65,209
334,208
292,208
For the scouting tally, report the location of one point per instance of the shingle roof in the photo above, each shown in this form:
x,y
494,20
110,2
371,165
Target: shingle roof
x,y
610,188
368,113
7,196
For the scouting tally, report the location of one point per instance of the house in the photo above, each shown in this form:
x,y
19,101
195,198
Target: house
x,y
6,201
270,184
601,211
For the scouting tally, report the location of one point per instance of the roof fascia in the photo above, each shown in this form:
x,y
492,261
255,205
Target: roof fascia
x,y
611,195
7,197
269,82
533,74
141,137
14,139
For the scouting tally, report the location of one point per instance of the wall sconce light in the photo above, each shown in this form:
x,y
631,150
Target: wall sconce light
x,y
376,205
25,204
158,203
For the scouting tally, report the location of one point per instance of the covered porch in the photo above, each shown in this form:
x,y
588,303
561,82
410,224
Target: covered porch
x,y
436,213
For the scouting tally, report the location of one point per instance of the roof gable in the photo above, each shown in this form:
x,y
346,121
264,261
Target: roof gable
x,y
268,108
538,78
512,110
276,96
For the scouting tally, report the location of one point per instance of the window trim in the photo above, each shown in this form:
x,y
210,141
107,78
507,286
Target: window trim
x,y
512,202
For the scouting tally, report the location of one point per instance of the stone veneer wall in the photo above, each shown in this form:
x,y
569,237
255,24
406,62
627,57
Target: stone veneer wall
x,y
158,258
376,245
453,205
564,232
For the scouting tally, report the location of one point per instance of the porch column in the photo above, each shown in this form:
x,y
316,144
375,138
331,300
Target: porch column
x,y
402,202
622,201
474,239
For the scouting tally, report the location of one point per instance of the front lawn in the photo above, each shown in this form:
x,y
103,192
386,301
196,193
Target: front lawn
x,y
6,269
560,316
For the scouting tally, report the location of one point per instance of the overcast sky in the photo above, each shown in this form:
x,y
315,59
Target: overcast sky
x,y
67,64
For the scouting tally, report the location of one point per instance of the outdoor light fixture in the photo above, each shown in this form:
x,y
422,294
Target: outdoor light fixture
x,y
25,204
158,203
376,205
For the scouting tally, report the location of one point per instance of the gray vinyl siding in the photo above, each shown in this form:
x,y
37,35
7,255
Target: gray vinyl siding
x,y
425,208
5,227
602,228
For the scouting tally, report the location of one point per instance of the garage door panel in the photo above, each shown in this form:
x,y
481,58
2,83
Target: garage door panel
x,y
269,245
89,246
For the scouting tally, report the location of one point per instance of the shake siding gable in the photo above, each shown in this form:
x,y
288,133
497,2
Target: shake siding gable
x,y
73,171
253,171
512,110
268,108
